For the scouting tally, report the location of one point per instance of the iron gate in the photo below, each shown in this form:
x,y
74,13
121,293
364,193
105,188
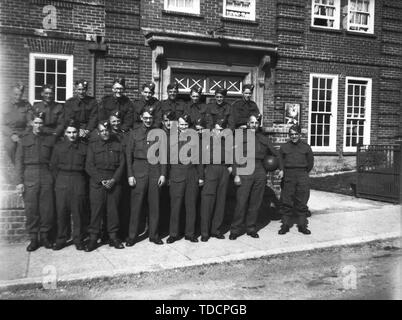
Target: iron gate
x,y
379,172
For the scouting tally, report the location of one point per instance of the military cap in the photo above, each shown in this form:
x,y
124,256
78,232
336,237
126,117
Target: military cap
x,y
173,85
196,90
72,123
37,114
48,86
248,86
200,122
258,116
121,81
186,117
105,123
116,114
19,86
149,109
221,121
83,82
149,85
171,115
296,128
222,91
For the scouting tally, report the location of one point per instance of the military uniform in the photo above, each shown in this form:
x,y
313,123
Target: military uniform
x,y
241,112
32,168
84,111
68,163
14,120
198,113
105,160
183,179
215,111
140,104
171,105
297,160
123,104
213,194
146,176
54,117
249,194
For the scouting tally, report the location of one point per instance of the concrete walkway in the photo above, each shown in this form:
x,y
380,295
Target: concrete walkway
x,y
336,220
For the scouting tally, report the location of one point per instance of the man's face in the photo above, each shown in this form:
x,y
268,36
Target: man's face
x,y
294,136
16,95
115,123
195,97
172,94
37,124
219,98
81,91
118,90
48,95
166,122
147,119
147,94
71,133
183,125
103,132
247,94
253,124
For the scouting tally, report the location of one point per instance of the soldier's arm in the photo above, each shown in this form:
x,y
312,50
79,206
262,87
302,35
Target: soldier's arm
x,y
310,159
19,163
157,115
60,122
54,160
128,117
93,116
129,154
90,166
281,158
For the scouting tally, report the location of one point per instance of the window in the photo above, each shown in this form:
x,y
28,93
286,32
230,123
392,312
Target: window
x,y
239,9
188,6
323,106
50,69
357,113
326,13
361,15
208,83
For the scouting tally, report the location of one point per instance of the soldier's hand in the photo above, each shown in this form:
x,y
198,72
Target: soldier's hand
x,y
237,181
230,169
15,138
131,181
280,174
20,189
161,181
104,183
110,183
243,126
200,182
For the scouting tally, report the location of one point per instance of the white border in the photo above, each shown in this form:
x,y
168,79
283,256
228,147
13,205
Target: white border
x,y
337,16
252,12
333,118
371,19
367,123
194,10
69,73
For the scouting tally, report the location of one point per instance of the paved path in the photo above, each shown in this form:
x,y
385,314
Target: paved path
x,y
337,220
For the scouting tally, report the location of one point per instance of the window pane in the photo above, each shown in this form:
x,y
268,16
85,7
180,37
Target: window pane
x,y
39,79
315,82
38,91
61,94
61,66
50,65
50,78
39,64
61,80
315,94
314,105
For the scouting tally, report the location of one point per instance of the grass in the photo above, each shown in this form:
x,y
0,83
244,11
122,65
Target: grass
x,y
343,183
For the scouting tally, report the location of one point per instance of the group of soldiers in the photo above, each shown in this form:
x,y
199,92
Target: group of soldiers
x,y
88,161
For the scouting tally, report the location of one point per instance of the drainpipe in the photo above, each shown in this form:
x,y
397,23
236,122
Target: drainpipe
x,y
96,48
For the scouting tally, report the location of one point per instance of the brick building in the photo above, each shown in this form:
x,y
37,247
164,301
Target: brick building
x,y
338,61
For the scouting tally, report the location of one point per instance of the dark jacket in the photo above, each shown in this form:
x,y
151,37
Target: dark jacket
x,y
140,104
69,157
176,106
296,155
215,111
54,117
241,111
123,104
85,111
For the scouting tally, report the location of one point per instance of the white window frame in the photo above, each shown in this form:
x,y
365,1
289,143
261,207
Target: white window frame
x,y
252,11
337,6
370,24
367,122
69,73
175,8
334,112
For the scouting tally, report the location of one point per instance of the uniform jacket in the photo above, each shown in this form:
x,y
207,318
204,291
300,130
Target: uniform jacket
x,y
54,117
85,111
197,111
15,118
33,150
215,111
169,105
123,104
140,104
296,155
69,156
241,111
105,160
137,151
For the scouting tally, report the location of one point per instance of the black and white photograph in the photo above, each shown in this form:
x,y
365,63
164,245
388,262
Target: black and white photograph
x,y
203,156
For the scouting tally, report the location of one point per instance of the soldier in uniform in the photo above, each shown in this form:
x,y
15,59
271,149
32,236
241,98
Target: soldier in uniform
x,y
117,102
15,118
105,165
35,181
145,179
219,108
82,108
171,103
250,190
53,111
213,194
147,99
197,110
243,108
68,164
185,180
297,160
